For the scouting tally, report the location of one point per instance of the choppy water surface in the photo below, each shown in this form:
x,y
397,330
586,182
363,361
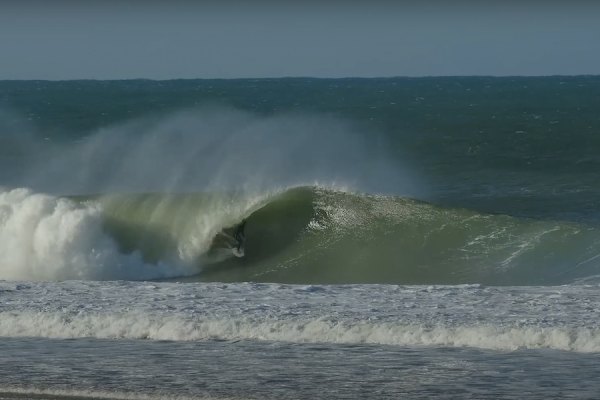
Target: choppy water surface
x,y
198,340
133,369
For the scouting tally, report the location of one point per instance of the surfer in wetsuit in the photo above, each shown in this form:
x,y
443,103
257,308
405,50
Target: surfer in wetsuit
x,y
240,236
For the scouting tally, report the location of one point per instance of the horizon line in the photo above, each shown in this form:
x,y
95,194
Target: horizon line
x,y
301,77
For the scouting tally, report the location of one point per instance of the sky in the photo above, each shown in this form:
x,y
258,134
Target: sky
x,y
88,39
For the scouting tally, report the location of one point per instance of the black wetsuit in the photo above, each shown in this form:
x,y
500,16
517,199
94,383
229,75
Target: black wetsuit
x,y
239,235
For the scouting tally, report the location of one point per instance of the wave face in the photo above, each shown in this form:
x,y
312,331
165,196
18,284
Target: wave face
x,y
299,235
316,235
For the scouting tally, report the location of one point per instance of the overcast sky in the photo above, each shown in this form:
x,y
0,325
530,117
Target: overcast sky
x,y
61,39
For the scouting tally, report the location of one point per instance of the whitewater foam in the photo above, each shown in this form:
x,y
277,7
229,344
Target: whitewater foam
x,y
44,237
451,316
177,328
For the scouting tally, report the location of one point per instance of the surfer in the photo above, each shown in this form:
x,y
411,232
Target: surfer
x,y
240,237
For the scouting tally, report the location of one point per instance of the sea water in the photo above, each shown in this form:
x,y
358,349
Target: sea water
x,y
417,238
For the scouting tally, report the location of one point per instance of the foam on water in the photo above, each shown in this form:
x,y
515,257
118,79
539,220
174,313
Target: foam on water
x,y
143,326
448,316
44,237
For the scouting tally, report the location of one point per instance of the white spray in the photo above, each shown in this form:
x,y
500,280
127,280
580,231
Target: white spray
x,y
49,238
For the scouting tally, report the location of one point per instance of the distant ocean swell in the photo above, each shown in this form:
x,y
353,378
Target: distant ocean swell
x,y
306,234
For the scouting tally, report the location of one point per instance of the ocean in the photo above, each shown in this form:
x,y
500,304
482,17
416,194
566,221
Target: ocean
x,y
300,238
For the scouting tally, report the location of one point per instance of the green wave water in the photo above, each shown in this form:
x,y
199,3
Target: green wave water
x,y
318,235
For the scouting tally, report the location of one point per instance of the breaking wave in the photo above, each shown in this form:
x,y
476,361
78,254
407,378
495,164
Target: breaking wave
x,y
178,328
305,234
449,316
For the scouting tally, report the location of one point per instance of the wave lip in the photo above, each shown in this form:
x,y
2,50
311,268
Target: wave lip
x,y
446,316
